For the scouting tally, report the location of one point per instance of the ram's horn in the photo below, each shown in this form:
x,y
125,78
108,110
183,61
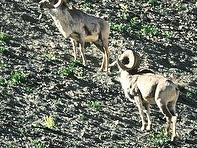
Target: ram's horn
x,y
58,3
129,60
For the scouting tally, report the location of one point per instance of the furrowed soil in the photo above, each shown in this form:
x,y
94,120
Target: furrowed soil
x,y
49,100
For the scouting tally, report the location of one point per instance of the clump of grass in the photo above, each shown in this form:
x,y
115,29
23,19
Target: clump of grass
x,y
17,77
48,121
168,34
149,30
8,145
3,82
189,95
153,2
158,139
70,69
38,144
134,23
4,37
96,105
50,56
3,49
118,27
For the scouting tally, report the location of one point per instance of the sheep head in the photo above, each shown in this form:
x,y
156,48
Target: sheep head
x,y
129,60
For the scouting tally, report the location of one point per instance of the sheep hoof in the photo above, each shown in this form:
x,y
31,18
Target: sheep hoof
x,y
142,128
148,128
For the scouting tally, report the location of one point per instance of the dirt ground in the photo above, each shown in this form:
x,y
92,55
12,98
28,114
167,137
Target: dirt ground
x,y
48,100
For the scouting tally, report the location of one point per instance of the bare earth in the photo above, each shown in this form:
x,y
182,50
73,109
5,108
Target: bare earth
x,y
88,107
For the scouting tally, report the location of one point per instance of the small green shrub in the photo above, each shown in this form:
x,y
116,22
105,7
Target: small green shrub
x,y
48,121
118,27
38,144
153,2
149,30
3,49
168,34
96,105
17,77
70,69
158,139
50,56
189,95
4,36
3,82
8,145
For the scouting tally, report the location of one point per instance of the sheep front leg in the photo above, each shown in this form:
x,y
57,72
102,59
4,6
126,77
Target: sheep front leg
x,y
138,101
81,49
74,45
147,111
174,119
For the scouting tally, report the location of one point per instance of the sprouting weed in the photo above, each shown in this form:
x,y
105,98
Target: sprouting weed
x,y
49,121
4,37
17,77
70,69
38,144
158,139
149,30
96,105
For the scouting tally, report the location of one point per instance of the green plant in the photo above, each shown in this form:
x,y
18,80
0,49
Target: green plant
x,y
96,105
4,36
3,82
50,56
8,145
158,139
38,144
149,30
153,2
17,77
48,121
134,23
3,49
168,34
189,95
70,69
118,27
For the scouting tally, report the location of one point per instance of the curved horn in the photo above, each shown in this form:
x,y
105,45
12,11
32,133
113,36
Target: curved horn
x,y
58,3
129,60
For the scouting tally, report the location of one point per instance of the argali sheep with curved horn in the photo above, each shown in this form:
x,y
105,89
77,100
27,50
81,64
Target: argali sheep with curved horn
x,y
80,27
148,88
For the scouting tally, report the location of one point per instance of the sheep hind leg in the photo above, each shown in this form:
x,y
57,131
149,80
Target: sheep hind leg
x,y
81,48
172,109
164,109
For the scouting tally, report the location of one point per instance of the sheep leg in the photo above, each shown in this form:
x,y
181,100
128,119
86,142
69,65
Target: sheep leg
x,y
74,45
147,111
105,50
172,109
140,106
81,49
164,109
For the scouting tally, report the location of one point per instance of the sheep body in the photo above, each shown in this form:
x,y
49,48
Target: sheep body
x,y
145,88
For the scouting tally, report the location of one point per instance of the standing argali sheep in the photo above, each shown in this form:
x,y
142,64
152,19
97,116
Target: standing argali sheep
x,y
148,88
80,27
